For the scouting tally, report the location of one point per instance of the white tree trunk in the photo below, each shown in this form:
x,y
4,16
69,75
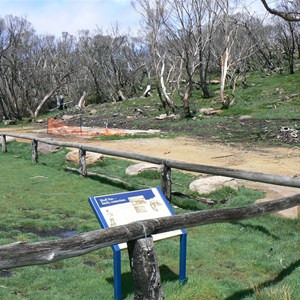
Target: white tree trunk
x,y
81,103
37,111
224,69
147,91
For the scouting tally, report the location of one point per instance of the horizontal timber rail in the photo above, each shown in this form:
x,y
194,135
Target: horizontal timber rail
x,y
170,163
25,254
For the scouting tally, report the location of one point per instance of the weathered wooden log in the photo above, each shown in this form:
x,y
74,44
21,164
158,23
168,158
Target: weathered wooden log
x,y
4,144
25,254
145,270
110,179
166,183
82,162
34,150
253,176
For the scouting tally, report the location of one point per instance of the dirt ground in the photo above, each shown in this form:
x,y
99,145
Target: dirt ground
x,y
272,160
277,161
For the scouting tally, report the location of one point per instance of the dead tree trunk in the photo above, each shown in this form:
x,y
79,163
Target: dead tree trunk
x,y
82,161
145,271
82,100
166,183
224,69
34,149
147,92
4,145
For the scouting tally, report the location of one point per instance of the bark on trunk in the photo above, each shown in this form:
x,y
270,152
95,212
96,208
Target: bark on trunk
x,y
186,98
166,182
145,271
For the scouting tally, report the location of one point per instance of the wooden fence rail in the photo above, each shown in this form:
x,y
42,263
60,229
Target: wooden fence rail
x,y
169,163
24,254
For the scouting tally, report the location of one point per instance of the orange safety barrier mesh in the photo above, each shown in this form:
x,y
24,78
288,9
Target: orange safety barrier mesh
x,y
60,128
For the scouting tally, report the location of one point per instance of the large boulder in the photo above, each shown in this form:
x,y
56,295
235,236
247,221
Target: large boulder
x,y
90,158
209,184
142,167
46,148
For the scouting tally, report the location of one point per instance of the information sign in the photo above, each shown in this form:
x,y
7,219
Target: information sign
x,y
120,209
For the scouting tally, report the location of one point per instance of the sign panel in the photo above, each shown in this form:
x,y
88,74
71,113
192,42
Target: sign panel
x,y
119,209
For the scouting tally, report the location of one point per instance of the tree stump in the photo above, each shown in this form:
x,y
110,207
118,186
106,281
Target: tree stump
x,y
82,161
145,271
166,183
4,144
34,150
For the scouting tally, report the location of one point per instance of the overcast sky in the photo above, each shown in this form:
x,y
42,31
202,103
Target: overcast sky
x,y
57,16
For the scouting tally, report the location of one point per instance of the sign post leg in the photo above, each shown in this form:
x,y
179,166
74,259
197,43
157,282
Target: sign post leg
x,y
117,275
182,259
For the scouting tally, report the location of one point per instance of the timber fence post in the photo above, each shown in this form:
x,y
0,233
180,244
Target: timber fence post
x,y
144,269
34,150
4,144
82,162
166,182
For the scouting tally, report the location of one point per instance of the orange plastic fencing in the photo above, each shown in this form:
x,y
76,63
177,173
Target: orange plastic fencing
x,y
58,127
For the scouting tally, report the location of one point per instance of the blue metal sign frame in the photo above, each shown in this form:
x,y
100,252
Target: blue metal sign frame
x,y
134,206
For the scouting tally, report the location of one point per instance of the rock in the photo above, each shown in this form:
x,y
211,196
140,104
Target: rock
x,y
9,122
138,111
142,167
67,117
165,116
214,81
91,158
8,139
40,121
93,112
210,111
46,148
245,117
210,184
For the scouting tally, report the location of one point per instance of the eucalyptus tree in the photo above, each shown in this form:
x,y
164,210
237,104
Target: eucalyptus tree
x,y
286,40
234,44
33,68
297,39
17,67
154,14
112,65
57,63
287,10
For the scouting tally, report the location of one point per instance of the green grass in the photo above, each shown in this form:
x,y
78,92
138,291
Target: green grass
x,y
253,259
